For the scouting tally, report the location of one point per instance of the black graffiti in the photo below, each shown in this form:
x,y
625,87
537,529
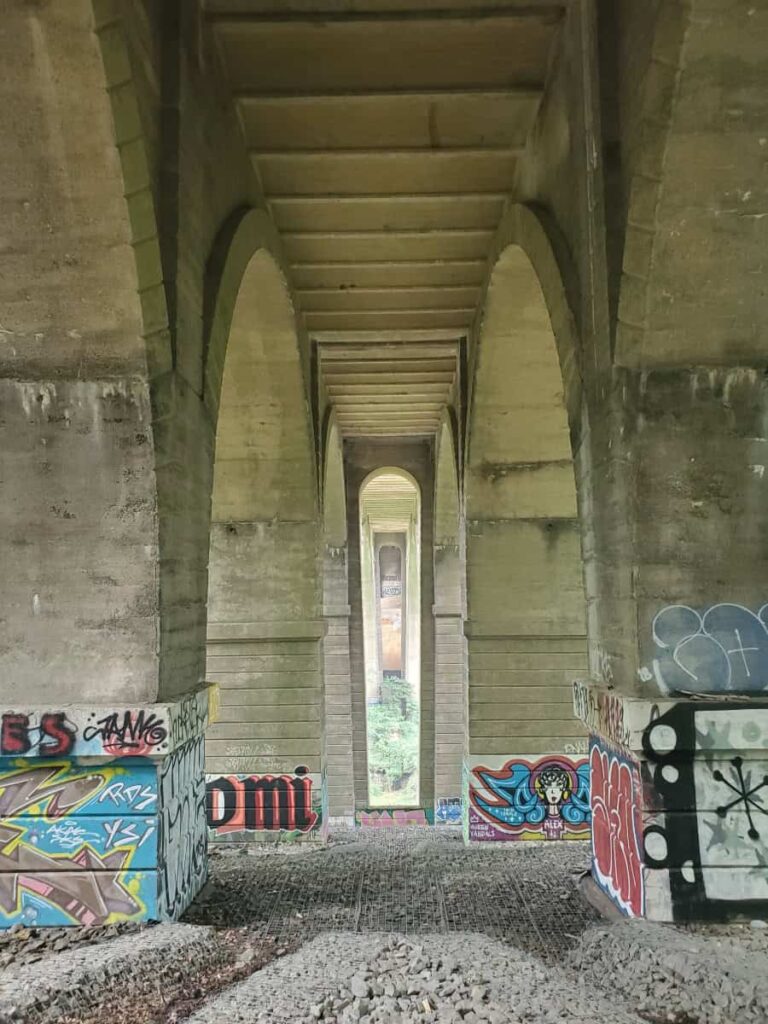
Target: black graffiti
x,y
261,802
136,730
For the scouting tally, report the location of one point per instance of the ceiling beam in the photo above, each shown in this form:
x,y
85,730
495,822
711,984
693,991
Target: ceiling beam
x,y
525,11
387,335
423,152
253,97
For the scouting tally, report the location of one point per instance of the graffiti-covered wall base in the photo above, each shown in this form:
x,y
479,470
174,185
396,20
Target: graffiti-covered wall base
x,y
679,803
102,813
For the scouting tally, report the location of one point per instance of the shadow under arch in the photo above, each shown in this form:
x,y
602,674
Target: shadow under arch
x,y
525,597
264,600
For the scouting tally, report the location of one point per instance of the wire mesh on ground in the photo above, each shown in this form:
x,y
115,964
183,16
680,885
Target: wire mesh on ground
x,y
408,880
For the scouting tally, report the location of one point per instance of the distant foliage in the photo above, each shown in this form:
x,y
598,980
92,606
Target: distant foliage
x,y
393,744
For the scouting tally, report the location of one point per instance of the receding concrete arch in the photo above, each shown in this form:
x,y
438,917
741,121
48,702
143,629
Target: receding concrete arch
x,y
336,659
448,613
525,598
334,489
696,231
264,598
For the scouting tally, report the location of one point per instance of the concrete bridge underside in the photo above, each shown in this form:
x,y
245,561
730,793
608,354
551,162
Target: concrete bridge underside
x,y
256,252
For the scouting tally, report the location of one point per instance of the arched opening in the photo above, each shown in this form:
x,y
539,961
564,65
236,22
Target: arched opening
x,y
264,752
525,598
390,568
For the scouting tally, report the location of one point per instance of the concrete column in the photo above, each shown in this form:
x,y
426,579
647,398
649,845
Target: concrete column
x,y
677,706
450,712
338,689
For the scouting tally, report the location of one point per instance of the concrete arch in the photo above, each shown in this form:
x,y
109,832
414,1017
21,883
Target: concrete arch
x,y
334,488
448,613
447,507
696,232
264,589
525,598
545,267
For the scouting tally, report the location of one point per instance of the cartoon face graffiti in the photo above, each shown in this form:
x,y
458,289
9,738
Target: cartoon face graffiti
x,y
544,799
553,787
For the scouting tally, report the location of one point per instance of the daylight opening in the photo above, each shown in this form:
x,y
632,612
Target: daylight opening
x,y
390,544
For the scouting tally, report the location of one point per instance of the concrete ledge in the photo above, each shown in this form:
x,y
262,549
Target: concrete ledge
x,y
311,629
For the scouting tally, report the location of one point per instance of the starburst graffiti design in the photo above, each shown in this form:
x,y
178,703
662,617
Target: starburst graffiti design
x,y
745,794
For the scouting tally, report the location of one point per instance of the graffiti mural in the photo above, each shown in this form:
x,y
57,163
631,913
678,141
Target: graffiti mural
x,y
448,810
616,797
84,732
78,845
240,807
182,864
707,768
543,799
397,817
116,833
602,711
723,649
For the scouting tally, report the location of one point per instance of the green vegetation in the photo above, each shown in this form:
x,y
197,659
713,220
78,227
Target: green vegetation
x,y
393,746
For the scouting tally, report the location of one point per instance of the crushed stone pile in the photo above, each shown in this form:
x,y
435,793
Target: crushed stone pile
x,y
677,976
438,979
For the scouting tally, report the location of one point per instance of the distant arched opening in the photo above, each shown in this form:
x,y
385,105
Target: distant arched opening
x,y
390,566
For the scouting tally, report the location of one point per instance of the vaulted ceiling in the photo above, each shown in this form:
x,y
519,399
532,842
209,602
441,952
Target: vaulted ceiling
x,y
385,136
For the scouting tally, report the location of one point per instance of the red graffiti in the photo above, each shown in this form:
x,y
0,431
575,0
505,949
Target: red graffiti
x,y
54,736
14,736
260,802
616,829
55,727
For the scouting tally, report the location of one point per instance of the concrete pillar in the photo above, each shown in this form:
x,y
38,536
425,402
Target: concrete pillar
x,y
677,703
338,695
102,804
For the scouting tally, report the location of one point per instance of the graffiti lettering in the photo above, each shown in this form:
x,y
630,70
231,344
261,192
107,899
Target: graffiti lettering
x,y
14,737
138,797
616,828
137,732
397,818
54,737
724,648
261,803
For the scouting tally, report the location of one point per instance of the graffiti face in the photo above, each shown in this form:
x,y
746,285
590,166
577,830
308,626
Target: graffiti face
x,y
616,828
261,803
544,799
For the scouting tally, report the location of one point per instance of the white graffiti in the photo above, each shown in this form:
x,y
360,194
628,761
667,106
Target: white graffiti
x,y
68,835
137,797
724,649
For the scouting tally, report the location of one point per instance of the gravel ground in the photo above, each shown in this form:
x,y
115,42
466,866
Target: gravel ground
x,y
681,976
409,881
435,979
390,927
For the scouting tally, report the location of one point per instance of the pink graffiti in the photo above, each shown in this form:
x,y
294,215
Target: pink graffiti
x,y
396,819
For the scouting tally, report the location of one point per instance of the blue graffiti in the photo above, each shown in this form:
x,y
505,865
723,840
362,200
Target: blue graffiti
x,y
540,794
722,649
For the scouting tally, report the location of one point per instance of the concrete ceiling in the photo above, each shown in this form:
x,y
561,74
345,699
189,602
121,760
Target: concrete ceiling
x,y
385,136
